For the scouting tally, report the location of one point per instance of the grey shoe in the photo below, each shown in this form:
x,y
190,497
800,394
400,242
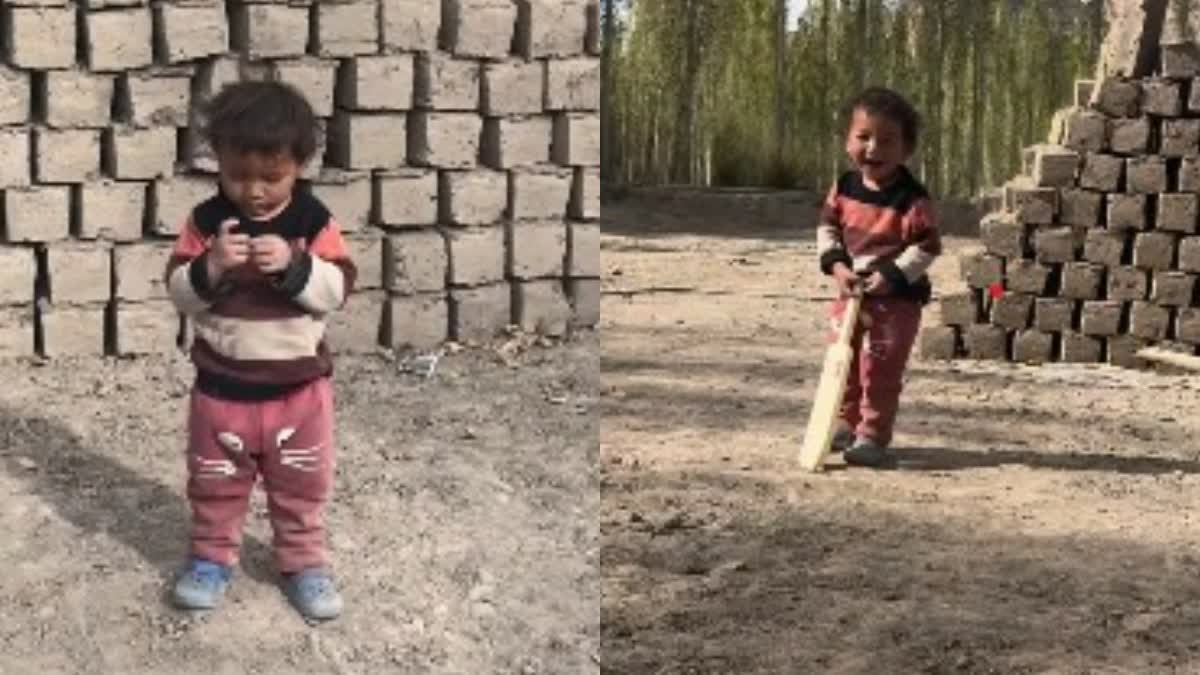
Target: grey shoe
x,y
313,594
866,452
842,439
201,585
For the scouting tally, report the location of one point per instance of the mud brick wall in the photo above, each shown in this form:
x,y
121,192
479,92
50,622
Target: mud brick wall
x,y
1095,251
460,153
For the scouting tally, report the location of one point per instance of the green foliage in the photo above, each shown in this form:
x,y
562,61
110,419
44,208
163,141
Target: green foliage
x,y
700,92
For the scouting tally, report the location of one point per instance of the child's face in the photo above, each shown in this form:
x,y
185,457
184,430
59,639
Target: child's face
x,y
259,184
876,145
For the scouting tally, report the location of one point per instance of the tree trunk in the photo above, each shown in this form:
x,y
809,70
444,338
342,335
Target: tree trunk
x,y
608,158
782,147
685,128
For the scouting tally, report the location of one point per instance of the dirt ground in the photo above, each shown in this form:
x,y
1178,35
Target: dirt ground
x,y
463,528
1041,520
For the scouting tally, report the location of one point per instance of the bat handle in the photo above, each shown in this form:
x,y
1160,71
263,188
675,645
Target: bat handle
x,y
849,319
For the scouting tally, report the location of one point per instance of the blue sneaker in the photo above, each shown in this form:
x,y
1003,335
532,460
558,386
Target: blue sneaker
x,y
843,438
313,594
866,452
201,585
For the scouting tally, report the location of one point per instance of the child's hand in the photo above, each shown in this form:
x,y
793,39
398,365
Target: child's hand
x,y
847,281
876,284
270,253
228,250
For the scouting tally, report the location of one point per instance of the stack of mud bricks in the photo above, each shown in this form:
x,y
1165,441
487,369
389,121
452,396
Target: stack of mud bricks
x,y
1095,252
459,153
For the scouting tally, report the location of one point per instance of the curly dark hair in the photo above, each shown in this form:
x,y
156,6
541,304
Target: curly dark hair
x,y
890,105
261,117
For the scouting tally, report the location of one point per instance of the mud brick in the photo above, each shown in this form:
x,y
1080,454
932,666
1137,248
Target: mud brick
x,y
1083,92
585,194
1177,212
477,255
1129,136
1189,175
573,84
981,269
111,210
1054,245
516,142
1033,346
1193,103
960,309
539,194
37,214
1026,276
119,40
444,140
1082,281
478,314
541,306
1146,175
156,98
415,262
407,197
1101,317
594,46
347,195
16,96
536,250
1079,348
72,330
418,322
1104,247
367,250
315,79
79,273
1052,315
357,326
1122,351
446,83
146,327
263,31
16,331
187,32
1189,254
1085,130
584,294
132,153
1030,204
214,73
173,198
513,88
1187,325
576,140
940,343
477,197
376,83
410,25
18,271
985,341
1080,207
1128,283
67,155
138,271
73,98
367,141
1116,98
17,147
1012,310
40,38
478,28
1148,320
346,28
583,250
551,28
1173,289
1127,211
1162,97
1154,250
1101,172
1180,138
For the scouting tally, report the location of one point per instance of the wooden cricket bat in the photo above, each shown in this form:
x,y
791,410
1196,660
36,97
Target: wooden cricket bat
x,y
1177,359
823,417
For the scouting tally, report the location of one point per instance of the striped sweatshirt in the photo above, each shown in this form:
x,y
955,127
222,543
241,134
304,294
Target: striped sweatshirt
x,y
892,231
259,336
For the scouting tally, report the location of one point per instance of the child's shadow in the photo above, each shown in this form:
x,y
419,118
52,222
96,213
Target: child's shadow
x,y
99,494
949,459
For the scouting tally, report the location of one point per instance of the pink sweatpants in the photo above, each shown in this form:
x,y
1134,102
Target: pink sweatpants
x,y
886,332
289,441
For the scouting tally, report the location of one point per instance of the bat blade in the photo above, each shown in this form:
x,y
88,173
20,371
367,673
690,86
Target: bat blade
x,y
823,417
